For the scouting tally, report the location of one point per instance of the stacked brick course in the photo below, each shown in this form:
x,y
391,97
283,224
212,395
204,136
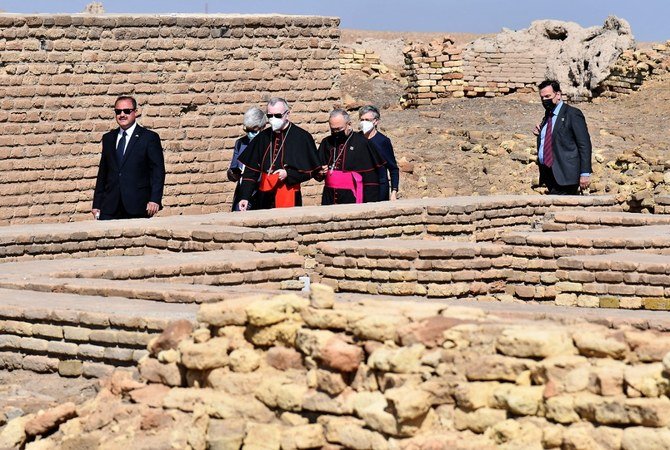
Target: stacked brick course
x,y
490,71
77,340
411,267
434,72
361,60
616,280
194,77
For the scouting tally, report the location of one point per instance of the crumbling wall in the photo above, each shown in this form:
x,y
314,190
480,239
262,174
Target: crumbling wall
x,y
194,76
634,67
581,59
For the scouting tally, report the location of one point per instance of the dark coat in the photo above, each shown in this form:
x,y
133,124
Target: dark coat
x,y
137,181
360,156
571,146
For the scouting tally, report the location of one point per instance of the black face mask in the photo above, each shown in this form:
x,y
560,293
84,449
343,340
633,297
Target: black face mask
x,y
548,104
338,135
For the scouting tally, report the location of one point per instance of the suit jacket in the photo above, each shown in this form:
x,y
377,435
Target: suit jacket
x,y
571,146
138,180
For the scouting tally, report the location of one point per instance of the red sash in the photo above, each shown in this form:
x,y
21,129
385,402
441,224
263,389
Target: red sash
x,y
351,181
284,193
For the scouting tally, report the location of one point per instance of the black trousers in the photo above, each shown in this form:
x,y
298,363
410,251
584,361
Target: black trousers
x,y
121,213
547,177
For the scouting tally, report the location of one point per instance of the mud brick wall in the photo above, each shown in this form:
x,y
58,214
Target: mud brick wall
x,y
490,71
441,70
194,76
311,373
481,69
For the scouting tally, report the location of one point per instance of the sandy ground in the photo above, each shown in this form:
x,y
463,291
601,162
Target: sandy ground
x,y
23,392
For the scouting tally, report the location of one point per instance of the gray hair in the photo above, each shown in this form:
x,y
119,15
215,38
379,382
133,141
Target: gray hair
x,y
275,100
255,118
339,112
369,109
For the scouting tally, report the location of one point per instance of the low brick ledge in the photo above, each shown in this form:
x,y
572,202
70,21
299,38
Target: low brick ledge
x,y
571,220
432,268
78,335
218,268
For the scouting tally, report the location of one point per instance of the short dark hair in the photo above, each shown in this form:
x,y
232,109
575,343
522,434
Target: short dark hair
x,y
553,83
126,97
369,109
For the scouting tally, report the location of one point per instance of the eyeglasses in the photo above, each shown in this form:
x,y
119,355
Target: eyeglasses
x,y
124,111
277,115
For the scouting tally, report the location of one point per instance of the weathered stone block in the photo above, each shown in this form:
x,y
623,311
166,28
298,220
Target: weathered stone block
x,y
208,355
479,420
534,342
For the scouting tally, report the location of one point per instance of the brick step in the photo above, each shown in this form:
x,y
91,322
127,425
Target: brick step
x,y
79,335
404,267
578,220
136,237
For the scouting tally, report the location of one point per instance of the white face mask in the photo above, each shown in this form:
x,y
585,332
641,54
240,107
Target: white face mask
x,y
366,126
276,123
252,134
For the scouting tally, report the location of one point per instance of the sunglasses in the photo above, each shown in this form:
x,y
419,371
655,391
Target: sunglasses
x,y
124,111
277,115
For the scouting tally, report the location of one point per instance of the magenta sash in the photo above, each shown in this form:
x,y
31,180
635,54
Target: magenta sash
x,y
351,181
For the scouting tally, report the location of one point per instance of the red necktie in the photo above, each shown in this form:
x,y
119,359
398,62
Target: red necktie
x,y
548,149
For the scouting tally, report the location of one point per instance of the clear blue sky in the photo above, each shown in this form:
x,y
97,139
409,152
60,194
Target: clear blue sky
x,y
648,18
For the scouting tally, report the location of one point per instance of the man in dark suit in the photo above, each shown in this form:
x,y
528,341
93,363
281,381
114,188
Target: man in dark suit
x,y
131,173
563,144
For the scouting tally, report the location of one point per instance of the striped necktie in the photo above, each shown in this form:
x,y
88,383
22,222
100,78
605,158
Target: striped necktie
x,y
548,149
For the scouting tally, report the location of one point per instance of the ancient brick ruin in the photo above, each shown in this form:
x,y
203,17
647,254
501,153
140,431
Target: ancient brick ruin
x,y
194,77
445,328
587,62
462,322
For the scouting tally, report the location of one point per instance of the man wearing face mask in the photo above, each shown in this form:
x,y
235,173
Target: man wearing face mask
x,y
370,118
254,121
563,143
276,161
349,164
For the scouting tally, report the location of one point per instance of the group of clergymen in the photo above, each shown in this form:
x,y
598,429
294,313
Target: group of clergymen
x,y
270,163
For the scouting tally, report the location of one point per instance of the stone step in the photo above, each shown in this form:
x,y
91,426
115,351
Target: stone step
x,y
432,268
215,268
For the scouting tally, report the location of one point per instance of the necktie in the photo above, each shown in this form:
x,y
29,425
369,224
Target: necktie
x,y
120,147
548,149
